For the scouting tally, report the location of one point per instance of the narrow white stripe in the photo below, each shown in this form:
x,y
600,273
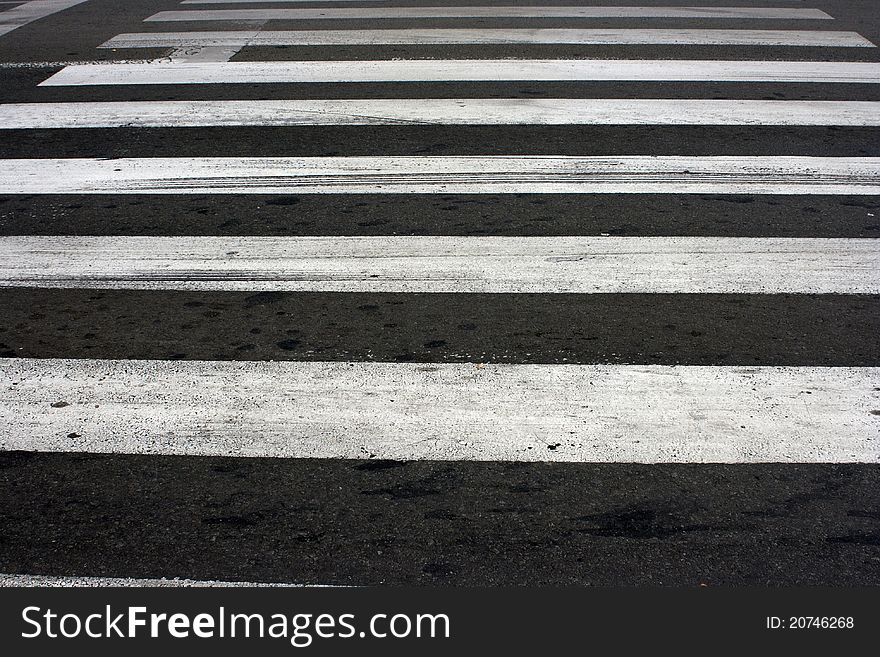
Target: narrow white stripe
x,y
431,111
580,265
29,12
461,412
466,71
66,581
477,174
490,36
487,12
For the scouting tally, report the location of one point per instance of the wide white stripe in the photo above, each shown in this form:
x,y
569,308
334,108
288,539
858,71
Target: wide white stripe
x,y
477,174
489,36
432,111
581,265
487,12
66,581
461,412
29,12
476,70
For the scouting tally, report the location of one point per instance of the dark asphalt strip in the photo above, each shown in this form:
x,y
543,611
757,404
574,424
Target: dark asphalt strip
x,y
253,141
548,51
494,22
465,523
20,85
723,215
668,329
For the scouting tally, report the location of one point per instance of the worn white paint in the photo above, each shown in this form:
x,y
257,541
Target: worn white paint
x,y
446,264
475,174
29,12
67,581
435,111
489,36
468,70
202,54
461,412
362,13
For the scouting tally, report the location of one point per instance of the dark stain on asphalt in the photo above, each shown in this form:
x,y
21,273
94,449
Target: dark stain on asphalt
x,y
858,539
261,298
234,521
436,569
379,464
283,200
403,492
641,523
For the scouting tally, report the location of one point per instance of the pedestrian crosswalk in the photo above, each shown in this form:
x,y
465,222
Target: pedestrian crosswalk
x,y
690,343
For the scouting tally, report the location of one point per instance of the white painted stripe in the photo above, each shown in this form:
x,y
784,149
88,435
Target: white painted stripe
x,y
578,265
361,13
460,412
476,70
514,174
434,111
67,581
29,12
489,36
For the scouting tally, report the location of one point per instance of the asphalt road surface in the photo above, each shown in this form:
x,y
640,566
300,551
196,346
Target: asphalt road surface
x,y
364,292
